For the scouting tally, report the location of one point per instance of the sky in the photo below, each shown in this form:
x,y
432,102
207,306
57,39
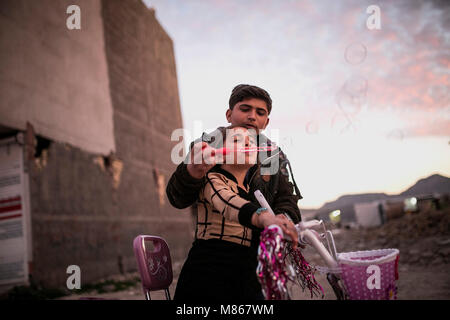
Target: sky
x,y
356,108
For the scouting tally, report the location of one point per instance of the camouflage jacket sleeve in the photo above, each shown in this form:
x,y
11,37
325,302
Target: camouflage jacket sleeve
x,y
182,189
285,200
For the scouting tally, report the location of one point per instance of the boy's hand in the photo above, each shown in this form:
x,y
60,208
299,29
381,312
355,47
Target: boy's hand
x,y
202,159
266,219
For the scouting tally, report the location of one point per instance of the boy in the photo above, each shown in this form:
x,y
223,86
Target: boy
x,y
248,105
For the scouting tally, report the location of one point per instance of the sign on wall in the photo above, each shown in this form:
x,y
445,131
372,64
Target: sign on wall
x,y
14,212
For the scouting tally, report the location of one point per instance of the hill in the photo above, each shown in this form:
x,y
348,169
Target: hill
x,y
433,184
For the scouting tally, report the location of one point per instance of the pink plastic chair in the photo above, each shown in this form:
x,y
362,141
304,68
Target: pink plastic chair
x,y
154,264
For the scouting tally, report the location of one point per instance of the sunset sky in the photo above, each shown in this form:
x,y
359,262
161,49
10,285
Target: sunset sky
x,y
356,110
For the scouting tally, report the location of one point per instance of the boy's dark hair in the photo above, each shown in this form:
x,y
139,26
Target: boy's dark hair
x,y
245,91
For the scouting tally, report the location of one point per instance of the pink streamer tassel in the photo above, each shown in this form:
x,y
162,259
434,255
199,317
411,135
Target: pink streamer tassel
x,y
271,269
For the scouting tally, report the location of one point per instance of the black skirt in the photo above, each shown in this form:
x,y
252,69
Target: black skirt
x,y
216,271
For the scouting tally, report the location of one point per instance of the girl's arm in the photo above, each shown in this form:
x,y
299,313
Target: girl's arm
x,y
235,208
227,202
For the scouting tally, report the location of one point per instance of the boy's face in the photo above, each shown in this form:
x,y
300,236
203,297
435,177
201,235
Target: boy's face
x,y
251,112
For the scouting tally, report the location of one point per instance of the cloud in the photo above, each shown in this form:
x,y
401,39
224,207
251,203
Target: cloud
x,y
298,49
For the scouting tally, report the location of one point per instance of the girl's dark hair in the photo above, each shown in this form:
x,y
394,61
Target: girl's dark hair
x,y
224,131
245,91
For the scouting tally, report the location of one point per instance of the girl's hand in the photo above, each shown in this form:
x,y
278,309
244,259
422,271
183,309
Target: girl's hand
x,y
266,219
202,159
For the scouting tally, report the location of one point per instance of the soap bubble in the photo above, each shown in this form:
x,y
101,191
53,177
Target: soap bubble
x,y
341,123
312,127
353,95
356,85
348,104
286,142
355,53
396,134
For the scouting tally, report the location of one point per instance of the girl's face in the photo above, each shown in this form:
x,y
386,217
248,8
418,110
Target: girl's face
x,y
239,140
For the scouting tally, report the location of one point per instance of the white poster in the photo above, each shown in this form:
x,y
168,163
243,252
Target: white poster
x,y
13,214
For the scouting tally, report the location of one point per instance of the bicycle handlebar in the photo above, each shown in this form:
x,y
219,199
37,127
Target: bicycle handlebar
x,y
303,229
312,240
318,245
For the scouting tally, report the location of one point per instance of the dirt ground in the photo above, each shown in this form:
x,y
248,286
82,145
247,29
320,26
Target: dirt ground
x,y
422,238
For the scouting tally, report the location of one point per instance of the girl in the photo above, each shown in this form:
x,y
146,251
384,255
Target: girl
x,y
221,264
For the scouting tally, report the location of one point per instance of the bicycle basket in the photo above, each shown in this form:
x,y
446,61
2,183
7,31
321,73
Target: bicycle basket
x,y
370,275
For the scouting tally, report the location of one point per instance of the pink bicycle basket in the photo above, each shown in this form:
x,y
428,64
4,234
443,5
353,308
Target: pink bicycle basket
x,y
370,275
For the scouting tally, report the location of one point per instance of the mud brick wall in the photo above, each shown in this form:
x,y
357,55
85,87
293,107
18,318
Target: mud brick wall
x,y
87,208
144,93
53,77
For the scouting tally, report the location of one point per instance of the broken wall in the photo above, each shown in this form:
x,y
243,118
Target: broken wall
x,y
87,207
53,77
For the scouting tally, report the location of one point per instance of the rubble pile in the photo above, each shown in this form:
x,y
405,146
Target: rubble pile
x,y
422,238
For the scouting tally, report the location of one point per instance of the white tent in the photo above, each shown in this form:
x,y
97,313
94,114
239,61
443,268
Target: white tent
x,y
369,214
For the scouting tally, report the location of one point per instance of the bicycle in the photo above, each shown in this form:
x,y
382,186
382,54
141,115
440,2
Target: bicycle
x,y
357,275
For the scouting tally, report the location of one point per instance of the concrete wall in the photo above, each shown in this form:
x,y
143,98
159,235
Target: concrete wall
x,y
144,92
86,208
54,77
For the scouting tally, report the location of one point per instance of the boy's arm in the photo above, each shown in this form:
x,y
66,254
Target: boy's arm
x,y
184,185
182,189
286,201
